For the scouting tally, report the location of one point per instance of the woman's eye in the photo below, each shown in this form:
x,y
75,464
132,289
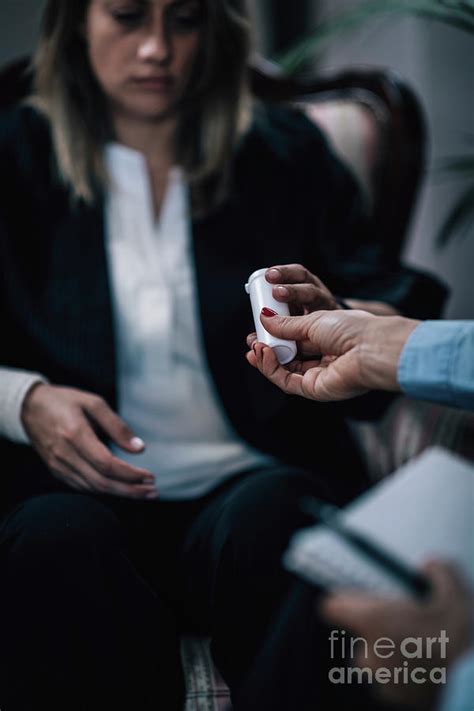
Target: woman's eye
x,y
187,21
128,17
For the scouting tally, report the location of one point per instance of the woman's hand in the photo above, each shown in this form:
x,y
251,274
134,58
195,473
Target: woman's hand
x,y
341,354
61,424
302,291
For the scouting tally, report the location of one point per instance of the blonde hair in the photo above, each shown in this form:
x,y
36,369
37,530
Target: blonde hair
x,y
213,114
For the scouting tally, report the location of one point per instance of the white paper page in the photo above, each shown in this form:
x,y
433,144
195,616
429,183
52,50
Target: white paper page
x,y
423,511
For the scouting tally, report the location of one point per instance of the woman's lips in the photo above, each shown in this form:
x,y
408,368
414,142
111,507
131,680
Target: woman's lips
x,y
155,83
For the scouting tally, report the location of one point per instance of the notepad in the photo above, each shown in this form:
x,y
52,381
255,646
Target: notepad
x,y
424,511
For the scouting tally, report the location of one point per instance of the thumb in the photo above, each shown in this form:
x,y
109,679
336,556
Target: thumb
x,y
113,425
447,579
289,328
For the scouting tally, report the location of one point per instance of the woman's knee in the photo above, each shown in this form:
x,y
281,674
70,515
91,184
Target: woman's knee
x,y
53,521
254,524
269,502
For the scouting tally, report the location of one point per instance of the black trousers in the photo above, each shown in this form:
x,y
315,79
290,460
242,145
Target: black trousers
x,y
96,591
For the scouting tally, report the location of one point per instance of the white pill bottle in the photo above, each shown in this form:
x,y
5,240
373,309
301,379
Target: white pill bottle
x,y
260,292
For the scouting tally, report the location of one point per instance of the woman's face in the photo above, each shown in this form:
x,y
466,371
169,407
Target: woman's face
x,y
142,52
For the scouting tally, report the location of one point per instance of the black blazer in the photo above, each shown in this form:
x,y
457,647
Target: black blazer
x,y
291,201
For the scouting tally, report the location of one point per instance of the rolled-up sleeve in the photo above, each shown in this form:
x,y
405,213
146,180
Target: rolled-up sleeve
x,y
14,386
437,363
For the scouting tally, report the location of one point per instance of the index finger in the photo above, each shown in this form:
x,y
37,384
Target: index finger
x,y
291,274
89,446
251,338
291,383
307,378
448,581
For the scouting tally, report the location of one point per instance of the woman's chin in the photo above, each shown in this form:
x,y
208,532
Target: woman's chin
x,y
149,108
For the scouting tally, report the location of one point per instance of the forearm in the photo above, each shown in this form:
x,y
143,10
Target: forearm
x,y
14,386
380,349
430,360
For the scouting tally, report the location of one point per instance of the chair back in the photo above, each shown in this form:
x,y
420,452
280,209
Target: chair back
x,y
376,125
15,82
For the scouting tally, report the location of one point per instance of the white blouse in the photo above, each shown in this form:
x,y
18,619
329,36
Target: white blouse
x,y
165,390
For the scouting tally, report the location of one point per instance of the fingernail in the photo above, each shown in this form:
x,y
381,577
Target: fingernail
x,y
282,291
152,495
268,312
137,443
148,480
274,274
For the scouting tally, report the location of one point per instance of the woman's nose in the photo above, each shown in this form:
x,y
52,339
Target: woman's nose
x,y
155,47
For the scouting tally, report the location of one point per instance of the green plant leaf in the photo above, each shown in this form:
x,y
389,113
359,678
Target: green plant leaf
x,y
456,13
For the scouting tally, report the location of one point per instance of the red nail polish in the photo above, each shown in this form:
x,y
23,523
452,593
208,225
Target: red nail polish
x,y
268,312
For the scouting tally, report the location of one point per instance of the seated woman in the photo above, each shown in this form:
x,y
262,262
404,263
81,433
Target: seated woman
x,y
149,485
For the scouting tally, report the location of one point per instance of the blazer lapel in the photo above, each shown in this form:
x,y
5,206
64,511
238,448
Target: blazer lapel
x,y
81,301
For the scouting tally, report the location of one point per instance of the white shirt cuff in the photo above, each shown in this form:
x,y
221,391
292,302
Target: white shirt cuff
x,y
14,386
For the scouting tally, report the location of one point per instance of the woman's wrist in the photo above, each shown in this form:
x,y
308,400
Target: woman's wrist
x,y
382,344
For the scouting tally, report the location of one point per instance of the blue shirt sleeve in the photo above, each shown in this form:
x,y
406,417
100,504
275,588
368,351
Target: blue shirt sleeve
x,y
437,363
458,694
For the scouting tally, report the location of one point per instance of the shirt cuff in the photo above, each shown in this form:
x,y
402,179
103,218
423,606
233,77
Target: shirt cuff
x,y
14,386
429,363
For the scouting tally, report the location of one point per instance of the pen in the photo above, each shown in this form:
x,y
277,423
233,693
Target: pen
x,y
327,514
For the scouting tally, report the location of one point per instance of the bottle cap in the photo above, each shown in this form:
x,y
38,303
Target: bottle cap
x,y
284,353
255,275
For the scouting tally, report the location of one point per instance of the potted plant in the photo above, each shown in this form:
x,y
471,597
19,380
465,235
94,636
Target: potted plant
x,y
455,13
